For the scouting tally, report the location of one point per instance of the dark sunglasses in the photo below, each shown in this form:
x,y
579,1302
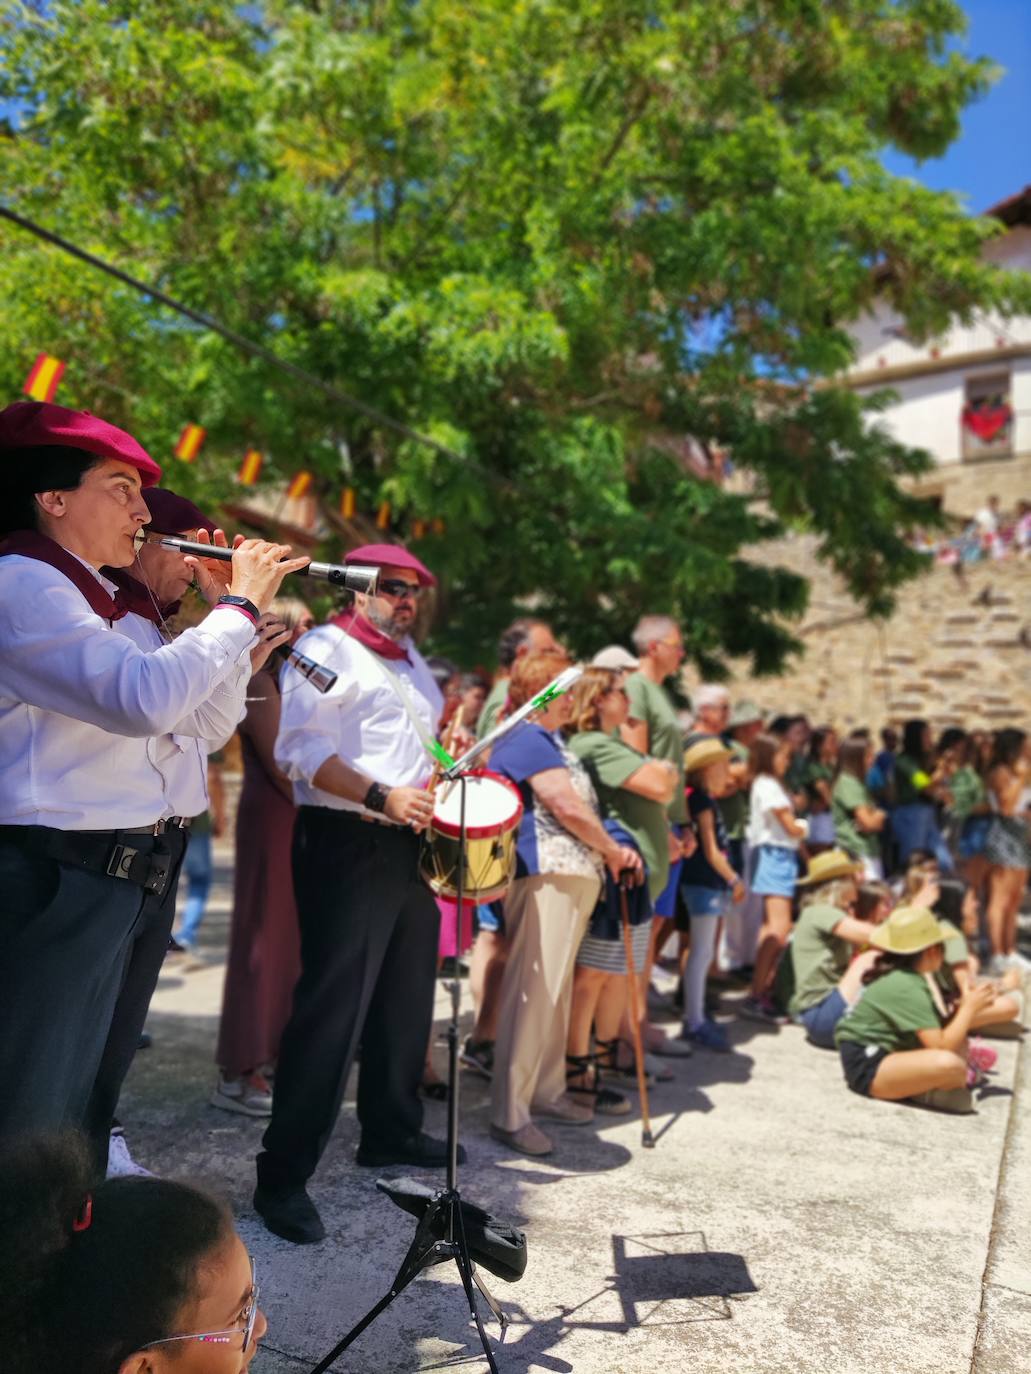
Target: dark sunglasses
x,y
395,586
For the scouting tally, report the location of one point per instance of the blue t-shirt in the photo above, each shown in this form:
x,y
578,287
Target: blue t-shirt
x,y
543,845
697,870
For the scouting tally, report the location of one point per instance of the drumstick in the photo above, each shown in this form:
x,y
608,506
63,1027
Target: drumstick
x,y
647,1139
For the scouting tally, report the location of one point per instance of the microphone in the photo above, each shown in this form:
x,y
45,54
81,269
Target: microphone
x,y
355,577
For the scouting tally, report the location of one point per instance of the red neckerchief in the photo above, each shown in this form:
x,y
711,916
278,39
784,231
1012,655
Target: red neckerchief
x,y
366,633
32,544
138,598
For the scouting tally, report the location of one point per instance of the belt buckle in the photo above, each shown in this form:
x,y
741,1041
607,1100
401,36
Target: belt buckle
x,y
119,861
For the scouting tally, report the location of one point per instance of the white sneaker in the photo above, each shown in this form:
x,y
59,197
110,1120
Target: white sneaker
x,y
120,1163
250,1095
1018,961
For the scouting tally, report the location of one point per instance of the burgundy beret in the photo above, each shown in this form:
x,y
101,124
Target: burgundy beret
x,y
171,514
394,556
36,424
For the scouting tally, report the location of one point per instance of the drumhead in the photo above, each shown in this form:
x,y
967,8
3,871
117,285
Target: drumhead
x,y
492,806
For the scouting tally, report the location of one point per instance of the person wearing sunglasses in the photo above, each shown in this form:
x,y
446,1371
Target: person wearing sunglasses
x,y
127,1276
358,758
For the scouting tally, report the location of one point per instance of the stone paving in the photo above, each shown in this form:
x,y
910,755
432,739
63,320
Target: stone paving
x,y
780,1226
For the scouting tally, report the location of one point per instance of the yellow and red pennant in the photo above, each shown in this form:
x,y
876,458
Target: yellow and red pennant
x,y
383,516
42,382
418,529
300,484
250,468
347,503
190,441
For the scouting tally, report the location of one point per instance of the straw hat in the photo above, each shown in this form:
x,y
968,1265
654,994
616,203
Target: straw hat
x,y
910,929
615,658
835,863
708,749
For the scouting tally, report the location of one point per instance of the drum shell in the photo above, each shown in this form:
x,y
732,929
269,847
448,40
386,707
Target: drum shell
x,y
490,864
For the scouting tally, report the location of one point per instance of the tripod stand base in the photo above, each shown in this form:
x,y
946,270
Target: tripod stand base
x,y
442,1218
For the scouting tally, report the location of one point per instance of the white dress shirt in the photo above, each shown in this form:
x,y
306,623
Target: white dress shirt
x,y
181,757
80,702
360,719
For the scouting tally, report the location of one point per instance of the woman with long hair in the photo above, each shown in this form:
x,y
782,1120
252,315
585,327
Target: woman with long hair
x,y
1007,846
921,782
633,793
858,820
128,1276
969,810
819,774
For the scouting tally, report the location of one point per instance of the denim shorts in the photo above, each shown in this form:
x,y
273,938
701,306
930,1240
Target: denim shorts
x,y
774,871
490,916
705,901
820,1020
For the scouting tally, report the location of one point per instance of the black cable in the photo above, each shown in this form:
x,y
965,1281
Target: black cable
x,y
239,340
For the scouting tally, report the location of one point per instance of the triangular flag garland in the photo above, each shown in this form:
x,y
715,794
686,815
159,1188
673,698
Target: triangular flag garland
x,y
299,486
190,441
250,468
45,376
42,381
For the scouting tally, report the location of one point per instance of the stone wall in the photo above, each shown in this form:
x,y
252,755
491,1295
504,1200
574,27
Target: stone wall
x,y
956,652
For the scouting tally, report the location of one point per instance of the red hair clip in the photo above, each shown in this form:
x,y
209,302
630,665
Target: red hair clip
x,y
84,1219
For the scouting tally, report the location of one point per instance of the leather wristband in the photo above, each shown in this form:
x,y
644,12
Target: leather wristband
x,y
240,603
376,798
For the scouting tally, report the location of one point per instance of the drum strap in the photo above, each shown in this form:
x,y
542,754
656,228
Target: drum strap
x,y
405,698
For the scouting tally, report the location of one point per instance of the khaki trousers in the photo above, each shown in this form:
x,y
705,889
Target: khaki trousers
x,y
545,919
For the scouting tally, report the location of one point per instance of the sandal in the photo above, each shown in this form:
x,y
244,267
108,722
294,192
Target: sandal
x,y
605,1101
609,1054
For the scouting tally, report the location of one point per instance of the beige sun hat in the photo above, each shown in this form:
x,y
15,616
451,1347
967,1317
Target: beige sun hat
x,y
615,658
709,749
834,863
909,929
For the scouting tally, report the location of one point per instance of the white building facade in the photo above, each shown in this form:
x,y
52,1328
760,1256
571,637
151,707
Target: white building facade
x,y
965,397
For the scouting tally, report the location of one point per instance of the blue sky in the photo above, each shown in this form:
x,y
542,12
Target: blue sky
x,y
992,158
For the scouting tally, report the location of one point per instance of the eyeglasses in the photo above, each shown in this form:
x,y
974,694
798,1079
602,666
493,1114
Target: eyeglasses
x,y
249,1316
396,586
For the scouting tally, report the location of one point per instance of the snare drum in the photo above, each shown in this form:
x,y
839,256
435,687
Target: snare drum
x,y
493,810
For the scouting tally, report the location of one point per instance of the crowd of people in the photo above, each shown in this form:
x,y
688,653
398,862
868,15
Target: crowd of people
x,y
870,896
989,535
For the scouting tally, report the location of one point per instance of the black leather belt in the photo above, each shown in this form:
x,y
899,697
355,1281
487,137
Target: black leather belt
x,y
117,853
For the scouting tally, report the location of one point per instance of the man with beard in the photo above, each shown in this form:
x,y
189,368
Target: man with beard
x,y
359,766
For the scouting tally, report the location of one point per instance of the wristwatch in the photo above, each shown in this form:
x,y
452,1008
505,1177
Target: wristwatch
x,y
241,603
376,798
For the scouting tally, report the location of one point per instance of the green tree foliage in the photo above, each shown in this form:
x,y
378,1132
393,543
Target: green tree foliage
x,y
579,242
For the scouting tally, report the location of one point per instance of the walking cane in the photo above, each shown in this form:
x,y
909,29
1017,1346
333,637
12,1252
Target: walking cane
x,y
647,1139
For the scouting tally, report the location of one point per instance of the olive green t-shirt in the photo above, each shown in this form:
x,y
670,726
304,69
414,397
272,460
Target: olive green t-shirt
x,y
610,762
496,698
890,1012
650,702
968,790
819,958
957,951
850,793
911,782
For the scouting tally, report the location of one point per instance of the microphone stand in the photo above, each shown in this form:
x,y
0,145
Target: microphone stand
x,y
440,1235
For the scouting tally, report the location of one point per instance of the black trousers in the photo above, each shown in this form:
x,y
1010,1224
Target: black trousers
x,y
66,940
148,946
369,930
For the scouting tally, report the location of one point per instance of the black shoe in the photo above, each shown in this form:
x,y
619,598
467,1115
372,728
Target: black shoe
x,y
145,1040
290,1213
420,1150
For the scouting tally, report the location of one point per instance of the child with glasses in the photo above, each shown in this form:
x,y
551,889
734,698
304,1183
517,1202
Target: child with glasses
x,y
128,1276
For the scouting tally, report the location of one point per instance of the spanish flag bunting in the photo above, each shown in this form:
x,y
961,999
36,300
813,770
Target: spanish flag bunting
x,y
383,516
299,485
189,442
250,468
418,529
42,381
347,503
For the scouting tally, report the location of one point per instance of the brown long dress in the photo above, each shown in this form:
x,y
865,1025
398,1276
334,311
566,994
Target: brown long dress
x,y
264,944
